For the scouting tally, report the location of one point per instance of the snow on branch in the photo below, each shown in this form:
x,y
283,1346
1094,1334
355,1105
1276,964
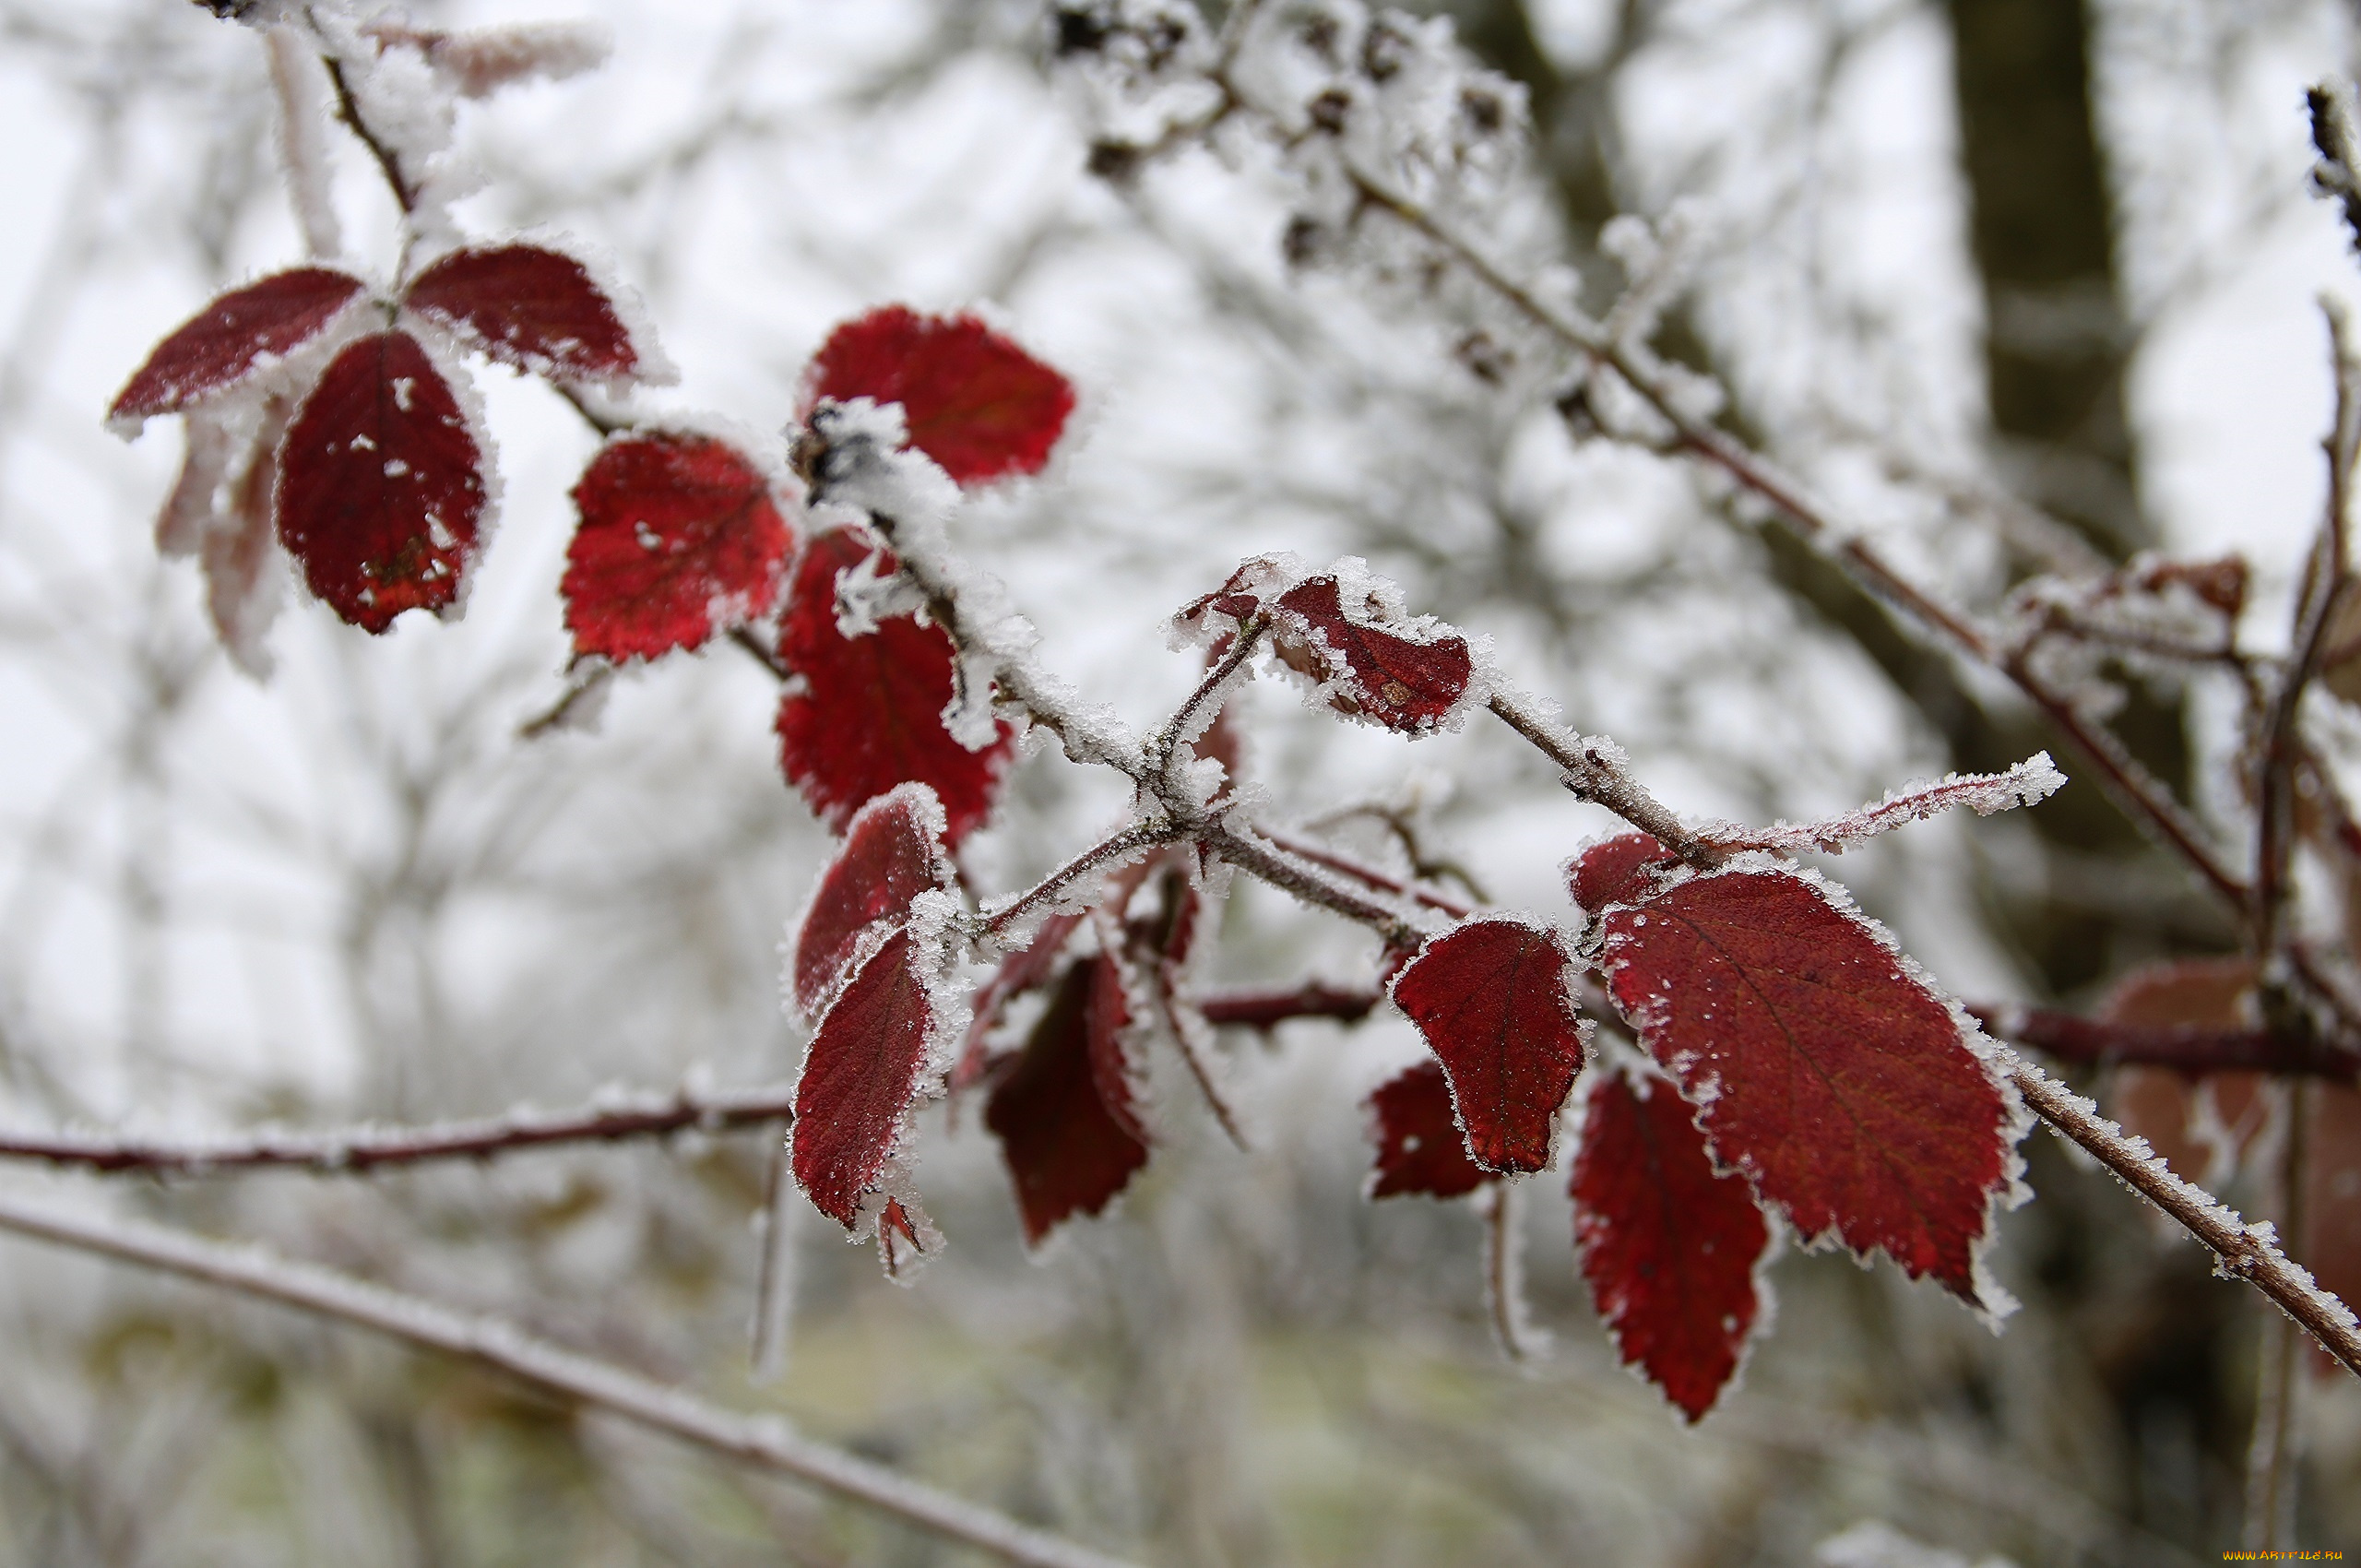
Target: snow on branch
x,y
764,1442
2031,780
617,1118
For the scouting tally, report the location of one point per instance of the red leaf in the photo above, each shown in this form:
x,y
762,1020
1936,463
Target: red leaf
x,y
379,490
1611,872
680,538
890,855
1419,1147
539,310
862,1073
1402,675
975,402
1110,1031
1667,1245
1490,995
229,338
869,714
1828,1074
1067,1152
1020,971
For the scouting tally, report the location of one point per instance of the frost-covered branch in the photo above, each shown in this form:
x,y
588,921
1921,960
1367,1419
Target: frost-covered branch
x,y
2246,1251
1593,772
1369,876
2034,779
358,1150
1001,916
764,1440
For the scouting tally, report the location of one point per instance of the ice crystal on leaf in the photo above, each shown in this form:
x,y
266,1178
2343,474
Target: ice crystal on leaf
x,y
380,491
1490,997
679,537
1828,1071
867,712
867,1067
1669,1245
975,402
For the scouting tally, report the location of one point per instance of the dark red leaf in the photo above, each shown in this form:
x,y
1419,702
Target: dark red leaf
x,y
539,310
891,854
680,538
869,713
1668,1245
1066,1152
1490,995
231,338
1020,971
1404,677
975,402
1419,1147
1611,872
1109,1030
1828,1074
863,1072
380,492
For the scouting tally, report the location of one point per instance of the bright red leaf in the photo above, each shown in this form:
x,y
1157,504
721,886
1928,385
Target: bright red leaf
x,y
380,487
1611,872
1419,1147
868,714
1669,1245
1490,995
1828,1074
1403,676
536,309
864,1070
233,336
1068,1150
680,538
975,403
891,854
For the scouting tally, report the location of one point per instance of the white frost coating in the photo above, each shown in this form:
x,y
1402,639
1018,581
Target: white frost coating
x,y
189,506
1369,600
2031,780
865,465
868,595
301,83
406,106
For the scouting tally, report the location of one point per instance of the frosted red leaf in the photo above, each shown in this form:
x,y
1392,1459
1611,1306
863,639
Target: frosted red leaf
x,y
534,308
864,1070
891,854
1490,995
680,538
1020,971
868,712
380,489
975,402
1404,682
223,344
1669,1245
1613,872
1419,1148
1828,1074
1068,1152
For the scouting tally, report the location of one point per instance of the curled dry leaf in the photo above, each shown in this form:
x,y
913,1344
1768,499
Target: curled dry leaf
x,y
381,493
1669,1245
865,1069
1420,1146
531,307
891,854
1490,997
1070,1147
680,538
975,402
1382,667
1828,1072
867,714
233,337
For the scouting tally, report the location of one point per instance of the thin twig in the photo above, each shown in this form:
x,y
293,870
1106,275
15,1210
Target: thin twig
x,y
358,1150
587,685
1268,863
2192,1048
2246,1251
389,164
1119,846
1368,875
763,1441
